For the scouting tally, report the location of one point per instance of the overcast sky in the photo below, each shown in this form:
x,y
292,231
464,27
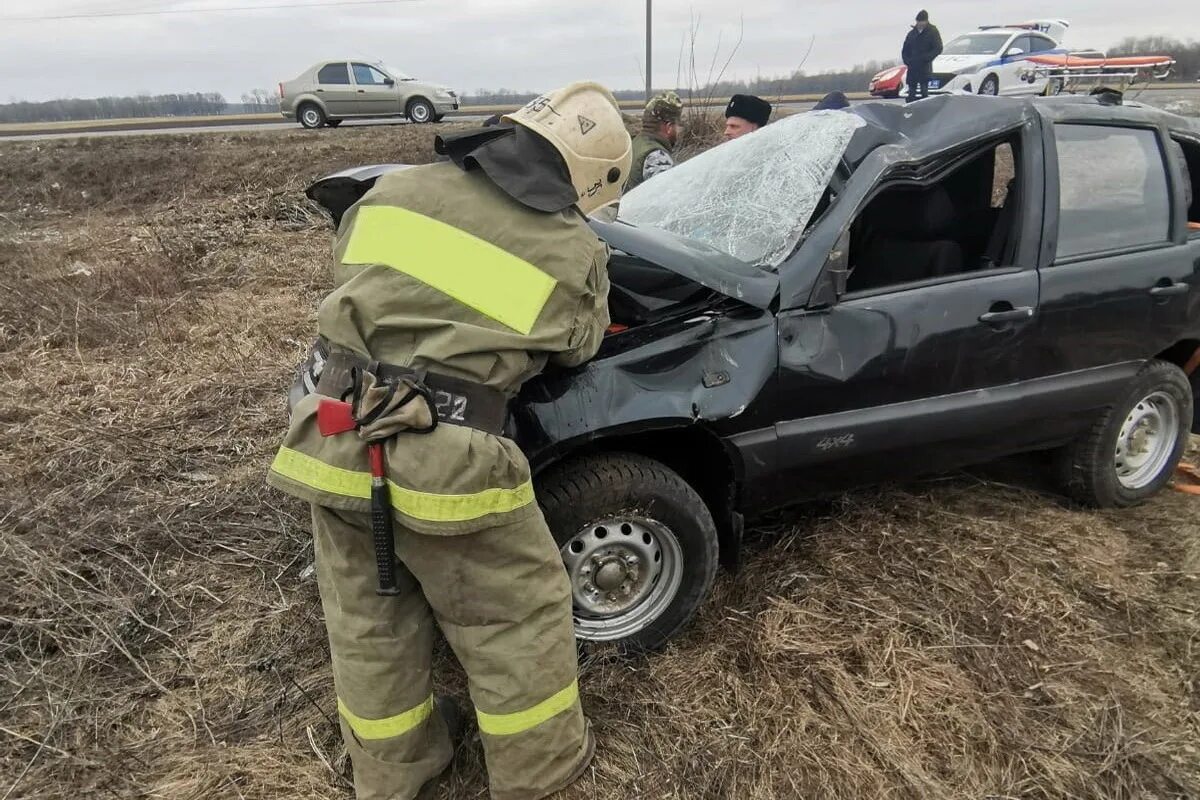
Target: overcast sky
x,y
472,44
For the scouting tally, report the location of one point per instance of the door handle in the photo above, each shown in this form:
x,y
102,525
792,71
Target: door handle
x,y
320,90
1170,289
1007,315
362,91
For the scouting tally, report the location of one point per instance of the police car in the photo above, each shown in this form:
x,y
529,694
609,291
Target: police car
x,y
993,60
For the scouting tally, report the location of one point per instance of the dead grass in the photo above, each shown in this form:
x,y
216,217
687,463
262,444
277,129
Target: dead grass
x,y
968,637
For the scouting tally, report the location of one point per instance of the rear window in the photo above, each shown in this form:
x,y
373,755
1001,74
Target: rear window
x,y
334,74
1113,190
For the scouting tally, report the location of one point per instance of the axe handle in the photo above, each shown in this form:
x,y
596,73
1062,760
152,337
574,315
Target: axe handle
x,y
381,524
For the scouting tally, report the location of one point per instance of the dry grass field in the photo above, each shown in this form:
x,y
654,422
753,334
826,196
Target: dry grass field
x,y
967,637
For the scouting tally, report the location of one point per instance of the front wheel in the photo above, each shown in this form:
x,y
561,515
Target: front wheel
x,y
420,111
1130,453
639,545
990,86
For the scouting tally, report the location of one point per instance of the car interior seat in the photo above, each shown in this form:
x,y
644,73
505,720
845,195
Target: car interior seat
x,y
907,238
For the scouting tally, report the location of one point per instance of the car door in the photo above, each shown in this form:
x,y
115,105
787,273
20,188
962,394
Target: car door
x,y
912,377
336,90
375,91
1119,274
1012,62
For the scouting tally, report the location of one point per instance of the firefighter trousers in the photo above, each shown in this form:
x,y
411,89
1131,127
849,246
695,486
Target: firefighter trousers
x,y
502,599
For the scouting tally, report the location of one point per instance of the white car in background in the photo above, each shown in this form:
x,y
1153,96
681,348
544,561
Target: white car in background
x,y
993,60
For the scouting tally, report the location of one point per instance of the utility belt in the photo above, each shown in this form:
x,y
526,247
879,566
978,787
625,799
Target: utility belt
x,y
331,371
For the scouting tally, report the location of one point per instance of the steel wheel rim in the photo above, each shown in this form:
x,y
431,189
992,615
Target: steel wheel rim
x,y
420,113
624,572
311,117
1146,440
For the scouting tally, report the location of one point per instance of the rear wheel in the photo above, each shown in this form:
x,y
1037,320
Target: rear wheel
x,y
1130,453
420,111
311,116
990,86
639,545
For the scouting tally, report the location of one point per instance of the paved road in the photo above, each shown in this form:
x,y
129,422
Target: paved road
x,y
1179,101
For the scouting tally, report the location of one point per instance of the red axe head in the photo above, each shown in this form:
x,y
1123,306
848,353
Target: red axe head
x,y
334,417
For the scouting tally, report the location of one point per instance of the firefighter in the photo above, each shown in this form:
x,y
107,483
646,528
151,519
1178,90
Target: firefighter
x,y
457,282
660,132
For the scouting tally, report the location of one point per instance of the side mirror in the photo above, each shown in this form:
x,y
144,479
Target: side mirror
x,y
1015,51
389,82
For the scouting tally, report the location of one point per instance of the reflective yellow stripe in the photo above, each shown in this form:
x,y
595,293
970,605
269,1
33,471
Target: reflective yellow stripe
x,y
387,727
476,273
316,474
521,721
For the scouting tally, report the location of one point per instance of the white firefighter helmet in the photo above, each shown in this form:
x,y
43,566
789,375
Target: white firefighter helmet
x,y
584,123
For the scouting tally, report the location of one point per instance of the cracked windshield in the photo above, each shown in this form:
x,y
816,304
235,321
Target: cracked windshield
x,y
752,197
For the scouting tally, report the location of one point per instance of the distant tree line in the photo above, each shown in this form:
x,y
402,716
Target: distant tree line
x,y
854,79
161,105
1186,54
260,101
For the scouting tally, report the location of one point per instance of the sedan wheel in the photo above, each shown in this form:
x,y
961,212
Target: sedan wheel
x,y
311,116
420,111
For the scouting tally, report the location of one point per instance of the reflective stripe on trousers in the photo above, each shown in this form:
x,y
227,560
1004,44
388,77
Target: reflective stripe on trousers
x,y
388,727
316,474
522,721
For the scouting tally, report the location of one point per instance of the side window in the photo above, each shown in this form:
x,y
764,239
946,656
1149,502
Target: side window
x,y
965,223
366,75
1112,189
1040,44
1188,152
334,74
1021,43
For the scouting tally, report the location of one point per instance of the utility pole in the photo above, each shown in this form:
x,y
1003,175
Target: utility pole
x,y
649,81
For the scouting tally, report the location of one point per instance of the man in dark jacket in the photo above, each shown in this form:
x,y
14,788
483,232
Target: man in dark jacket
x,y
922,45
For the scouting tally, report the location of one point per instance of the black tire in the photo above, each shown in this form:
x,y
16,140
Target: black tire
x,y
593,493
332,123
1088,467
420,111
439,118
311,116
990,86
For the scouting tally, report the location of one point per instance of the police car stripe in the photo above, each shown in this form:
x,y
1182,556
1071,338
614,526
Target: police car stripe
x,y
476,273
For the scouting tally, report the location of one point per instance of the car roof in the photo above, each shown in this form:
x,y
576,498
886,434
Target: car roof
x,y
937,124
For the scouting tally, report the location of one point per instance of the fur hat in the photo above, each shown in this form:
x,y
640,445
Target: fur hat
x,y
750,108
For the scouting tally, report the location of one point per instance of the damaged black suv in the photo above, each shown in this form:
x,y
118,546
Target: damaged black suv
x,y
865,295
